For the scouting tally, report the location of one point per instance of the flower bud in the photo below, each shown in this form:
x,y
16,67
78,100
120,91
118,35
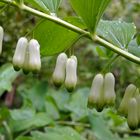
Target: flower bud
x,y
71,74
34,56
129,93
60,70
20,53
109,92
96,92
1,38
132,118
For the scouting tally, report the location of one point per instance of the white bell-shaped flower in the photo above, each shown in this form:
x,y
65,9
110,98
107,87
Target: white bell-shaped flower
x,y
71,74
109,89
60,70
20,53
132,118
96,93
34,56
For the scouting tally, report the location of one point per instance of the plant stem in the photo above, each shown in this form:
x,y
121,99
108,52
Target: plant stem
x,y
110,62
117,50
76,29
73,124
9,133
49,17
56,20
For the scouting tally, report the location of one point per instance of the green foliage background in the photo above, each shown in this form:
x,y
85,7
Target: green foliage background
x,y
31,108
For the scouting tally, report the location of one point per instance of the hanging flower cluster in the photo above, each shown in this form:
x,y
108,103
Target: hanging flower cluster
x,y
130,105
65,72
27,55
102,91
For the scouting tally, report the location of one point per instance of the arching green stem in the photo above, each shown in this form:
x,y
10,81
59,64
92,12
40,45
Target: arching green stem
x,y
76,29
109,63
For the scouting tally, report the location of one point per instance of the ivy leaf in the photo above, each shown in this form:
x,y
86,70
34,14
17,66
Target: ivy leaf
x,y
91,11
46,5
117,32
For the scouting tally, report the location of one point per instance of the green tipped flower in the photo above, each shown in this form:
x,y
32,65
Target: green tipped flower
x,y
20,53
132,118
71,74
96,93
129,93
60,70
109,92
34,56
1,38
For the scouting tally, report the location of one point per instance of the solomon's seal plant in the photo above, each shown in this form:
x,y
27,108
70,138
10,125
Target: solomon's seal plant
x,y
53,35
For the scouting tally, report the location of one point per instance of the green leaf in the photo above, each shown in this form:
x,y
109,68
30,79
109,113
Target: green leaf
x,y
39,5
57,133
90,11
27,119
132,138
35,94
46,5
54,38
138,39
100,128
134,48
22,114
100,51
4,114
24,138
7,76
1,5
60,98
117,32
51,109
78,109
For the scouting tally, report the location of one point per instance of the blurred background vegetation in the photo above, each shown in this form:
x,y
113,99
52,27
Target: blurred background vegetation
x,y
35,92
